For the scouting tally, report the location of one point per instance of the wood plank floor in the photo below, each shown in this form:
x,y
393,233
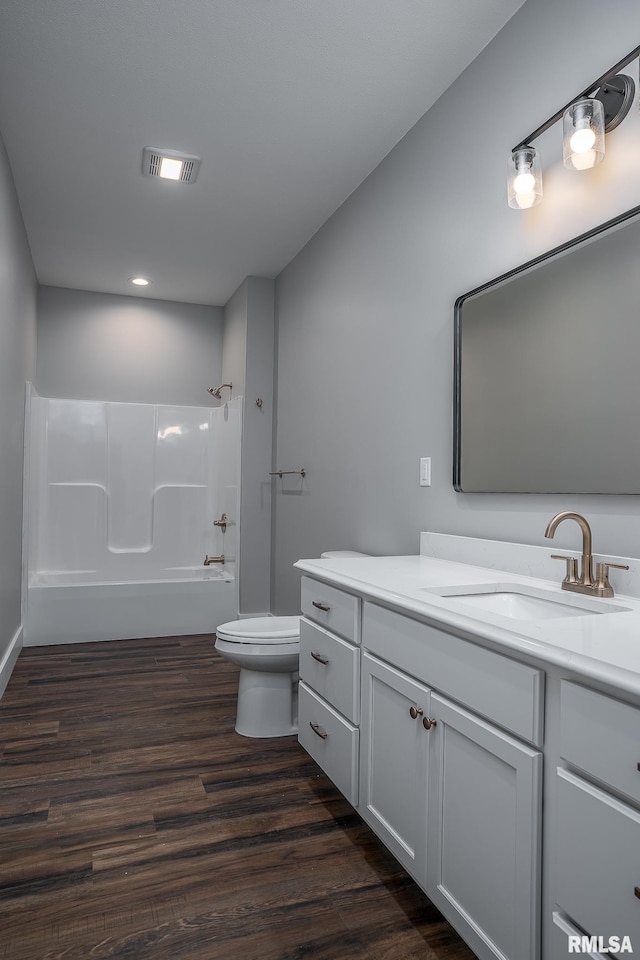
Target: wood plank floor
x,y
135,823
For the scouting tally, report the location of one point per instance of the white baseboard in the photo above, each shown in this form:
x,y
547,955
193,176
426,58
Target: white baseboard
x,y
8,661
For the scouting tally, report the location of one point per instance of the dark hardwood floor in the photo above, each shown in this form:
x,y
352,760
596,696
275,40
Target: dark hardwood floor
x,y
135,823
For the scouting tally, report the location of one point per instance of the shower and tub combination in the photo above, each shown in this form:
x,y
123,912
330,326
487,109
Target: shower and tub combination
x,y
132,530
121,500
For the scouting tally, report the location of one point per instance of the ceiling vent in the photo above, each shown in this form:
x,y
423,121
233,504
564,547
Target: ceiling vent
x,y
169,165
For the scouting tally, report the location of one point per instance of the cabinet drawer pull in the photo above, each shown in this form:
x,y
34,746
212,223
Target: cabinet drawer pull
x,y
321,606
319,658
415,713
636,890
318,729
427,723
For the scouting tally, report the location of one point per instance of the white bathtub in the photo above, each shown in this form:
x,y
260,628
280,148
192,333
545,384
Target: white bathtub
x,y
70,607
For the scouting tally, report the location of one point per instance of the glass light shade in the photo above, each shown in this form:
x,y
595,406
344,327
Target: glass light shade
x,y
524,178
583,134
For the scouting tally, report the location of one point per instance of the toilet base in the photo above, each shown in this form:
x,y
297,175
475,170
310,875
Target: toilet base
x,y
267,704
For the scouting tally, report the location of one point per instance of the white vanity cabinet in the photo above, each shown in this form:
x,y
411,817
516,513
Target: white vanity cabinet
x,y
456,799
329,688
497,757
424,732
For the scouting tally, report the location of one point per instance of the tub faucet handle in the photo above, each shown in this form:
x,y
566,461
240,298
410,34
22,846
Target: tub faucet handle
x,y
222,523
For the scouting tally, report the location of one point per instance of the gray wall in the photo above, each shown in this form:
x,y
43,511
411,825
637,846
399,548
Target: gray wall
x,y
248,357
365,311
17,364
99,346
234,341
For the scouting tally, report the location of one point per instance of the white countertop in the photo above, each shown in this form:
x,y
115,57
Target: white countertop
x,y
602,646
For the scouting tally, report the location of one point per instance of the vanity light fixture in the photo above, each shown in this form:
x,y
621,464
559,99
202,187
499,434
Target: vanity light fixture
x,y
169,165
585,121
583,134
524,182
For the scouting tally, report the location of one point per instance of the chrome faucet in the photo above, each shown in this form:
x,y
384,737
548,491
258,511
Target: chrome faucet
x,y
209,560
585,581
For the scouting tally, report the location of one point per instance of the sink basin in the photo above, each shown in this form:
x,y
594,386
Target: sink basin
x,y
520,607
520,602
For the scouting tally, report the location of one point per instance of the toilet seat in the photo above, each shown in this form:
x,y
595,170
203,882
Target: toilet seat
x,y
262,630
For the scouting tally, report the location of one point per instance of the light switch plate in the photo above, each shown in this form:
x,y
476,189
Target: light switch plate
x,y
425,471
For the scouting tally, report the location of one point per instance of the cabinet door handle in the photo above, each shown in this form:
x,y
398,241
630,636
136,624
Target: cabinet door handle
x,y
415,713
636,890
319,658
320,606
428,722
318,729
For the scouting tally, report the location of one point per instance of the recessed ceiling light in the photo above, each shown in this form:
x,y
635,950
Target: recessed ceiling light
x,y
169,164
139,281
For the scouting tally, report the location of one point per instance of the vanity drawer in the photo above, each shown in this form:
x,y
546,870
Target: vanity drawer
x,y
331,740
331,608
597,859
331,667
601,735
502,690
562,946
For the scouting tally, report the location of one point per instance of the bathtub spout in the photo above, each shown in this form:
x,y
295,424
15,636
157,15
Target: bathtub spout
x,y
209,560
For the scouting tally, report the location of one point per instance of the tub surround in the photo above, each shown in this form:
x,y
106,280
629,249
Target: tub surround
x,y
129,491
495,754
121,500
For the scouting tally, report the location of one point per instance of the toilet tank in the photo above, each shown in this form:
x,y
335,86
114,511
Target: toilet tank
x,y
340,554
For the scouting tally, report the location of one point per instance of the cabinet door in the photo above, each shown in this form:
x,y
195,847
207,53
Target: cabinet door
x,y
393,761
484,833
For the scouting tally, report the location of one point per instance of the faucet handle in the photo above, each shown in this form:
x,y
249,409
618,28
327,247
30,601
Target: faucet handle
x,y
603,586
222,523
572,567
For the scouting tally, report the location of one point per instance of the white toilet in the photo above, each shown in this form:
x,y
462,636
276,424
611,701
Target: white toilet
x,y
267,650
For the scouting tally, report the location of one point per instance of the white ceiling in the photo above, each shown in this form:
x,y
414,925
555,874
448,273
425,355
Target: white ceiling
x,y
289,103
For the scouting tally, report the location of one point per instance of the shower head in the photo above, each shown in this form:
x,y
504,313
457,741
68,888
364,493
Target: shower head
x,y
215,391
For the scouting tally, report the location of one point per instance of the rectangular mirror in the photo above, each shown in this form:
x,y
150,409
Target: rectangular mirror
x,y
547,371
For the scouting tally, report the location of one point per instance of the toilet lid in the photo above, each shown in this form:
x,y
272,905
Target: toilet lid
x,y
263,629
